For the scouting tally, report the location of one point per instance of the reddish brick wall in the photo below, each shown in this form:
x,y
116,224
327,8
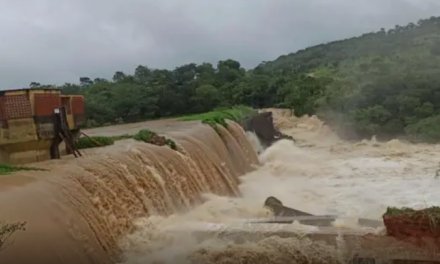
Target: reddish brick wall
x,y
15,107
45,103
78,105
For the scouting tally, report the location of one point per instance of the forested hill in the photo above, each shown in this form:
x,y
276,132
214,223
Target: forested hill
x,y
384,42
384,83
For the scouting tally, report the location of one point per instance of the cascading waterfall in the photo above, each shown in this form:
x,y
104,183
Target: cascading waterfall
x,y
79,211
119,204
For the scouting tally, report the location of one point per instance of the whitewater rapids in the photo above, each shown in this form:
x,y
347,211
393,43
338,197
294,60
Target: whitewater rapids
x,y
319,174
105,208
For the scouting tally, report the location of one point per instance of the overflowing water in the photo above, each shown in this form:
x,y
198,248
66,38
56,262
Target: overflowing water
x,y
118,204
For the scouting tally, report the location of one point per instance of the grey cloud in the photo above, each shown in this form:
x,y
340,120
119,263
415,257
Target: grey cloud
x,y
53,41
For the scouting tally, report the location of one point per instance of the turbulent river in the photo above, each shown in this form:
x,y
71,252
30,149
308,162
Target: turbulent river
x,y
115,205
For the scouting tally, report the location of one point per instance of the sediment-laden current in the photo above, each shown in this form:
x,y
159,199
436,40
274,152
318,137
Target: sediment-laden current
x,y
79,211
117,204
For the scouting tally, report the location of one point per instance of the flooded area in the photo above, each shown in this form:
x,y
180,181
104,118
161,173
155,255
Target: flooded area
x,y
117,204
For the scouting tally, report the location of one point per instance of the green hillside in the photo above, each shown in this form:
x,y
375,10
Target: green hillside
x,y
384,83
386,42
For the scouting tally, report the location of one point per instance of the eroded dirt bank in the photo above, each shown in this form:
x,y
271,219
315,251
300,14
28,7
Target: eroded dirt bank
x,y
79,211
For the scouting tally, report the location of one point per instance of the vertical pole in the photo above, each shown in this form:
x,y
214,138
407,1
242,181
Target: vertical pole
x,y
54,147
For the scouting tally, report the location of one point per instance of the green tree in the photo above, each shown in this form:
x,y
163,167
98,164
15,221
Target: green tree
x,y
383,83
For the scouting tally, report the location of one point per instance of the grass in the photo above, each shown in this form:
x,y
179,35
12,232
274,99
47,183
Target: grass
x,y
144,135
7,169
219,116
93,142
152,137
121,137
99,141
432,213
213,118
395,211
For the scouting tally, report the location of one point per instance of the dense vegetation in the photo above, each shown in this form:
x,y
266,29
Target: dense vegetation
x,y
384,83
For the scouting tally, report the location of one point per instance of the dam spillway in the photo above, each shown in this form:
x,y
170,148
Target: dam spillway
x,y
79,210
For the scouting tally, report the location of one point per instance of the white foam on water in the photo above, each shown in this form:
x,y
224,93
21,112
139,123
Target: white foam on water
x,y
319,174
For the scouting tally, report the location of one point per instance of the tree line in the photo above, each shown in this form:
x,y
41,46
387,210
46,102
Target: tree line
x,y
384,83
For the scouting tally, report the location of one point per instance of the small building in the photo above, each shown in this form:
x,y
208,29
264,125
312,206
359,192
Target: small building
x,y
33,122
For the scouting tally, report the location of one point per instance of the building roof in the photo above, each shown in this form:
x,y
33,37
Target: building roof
x,y
29,89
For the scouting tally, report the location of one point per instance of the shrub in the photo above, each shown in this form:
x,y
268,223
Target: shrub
x,y
93,142
121,137
426,130
152,137
219,116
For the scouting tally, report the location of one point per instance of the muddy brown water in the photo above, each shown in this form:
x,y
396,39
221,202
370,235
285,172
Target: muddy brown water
x,y
122,200
78,211
159,126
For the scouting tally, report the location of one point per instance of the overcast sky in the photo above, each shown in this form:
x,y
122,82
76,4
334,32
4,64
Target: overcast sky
x,y
57,41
